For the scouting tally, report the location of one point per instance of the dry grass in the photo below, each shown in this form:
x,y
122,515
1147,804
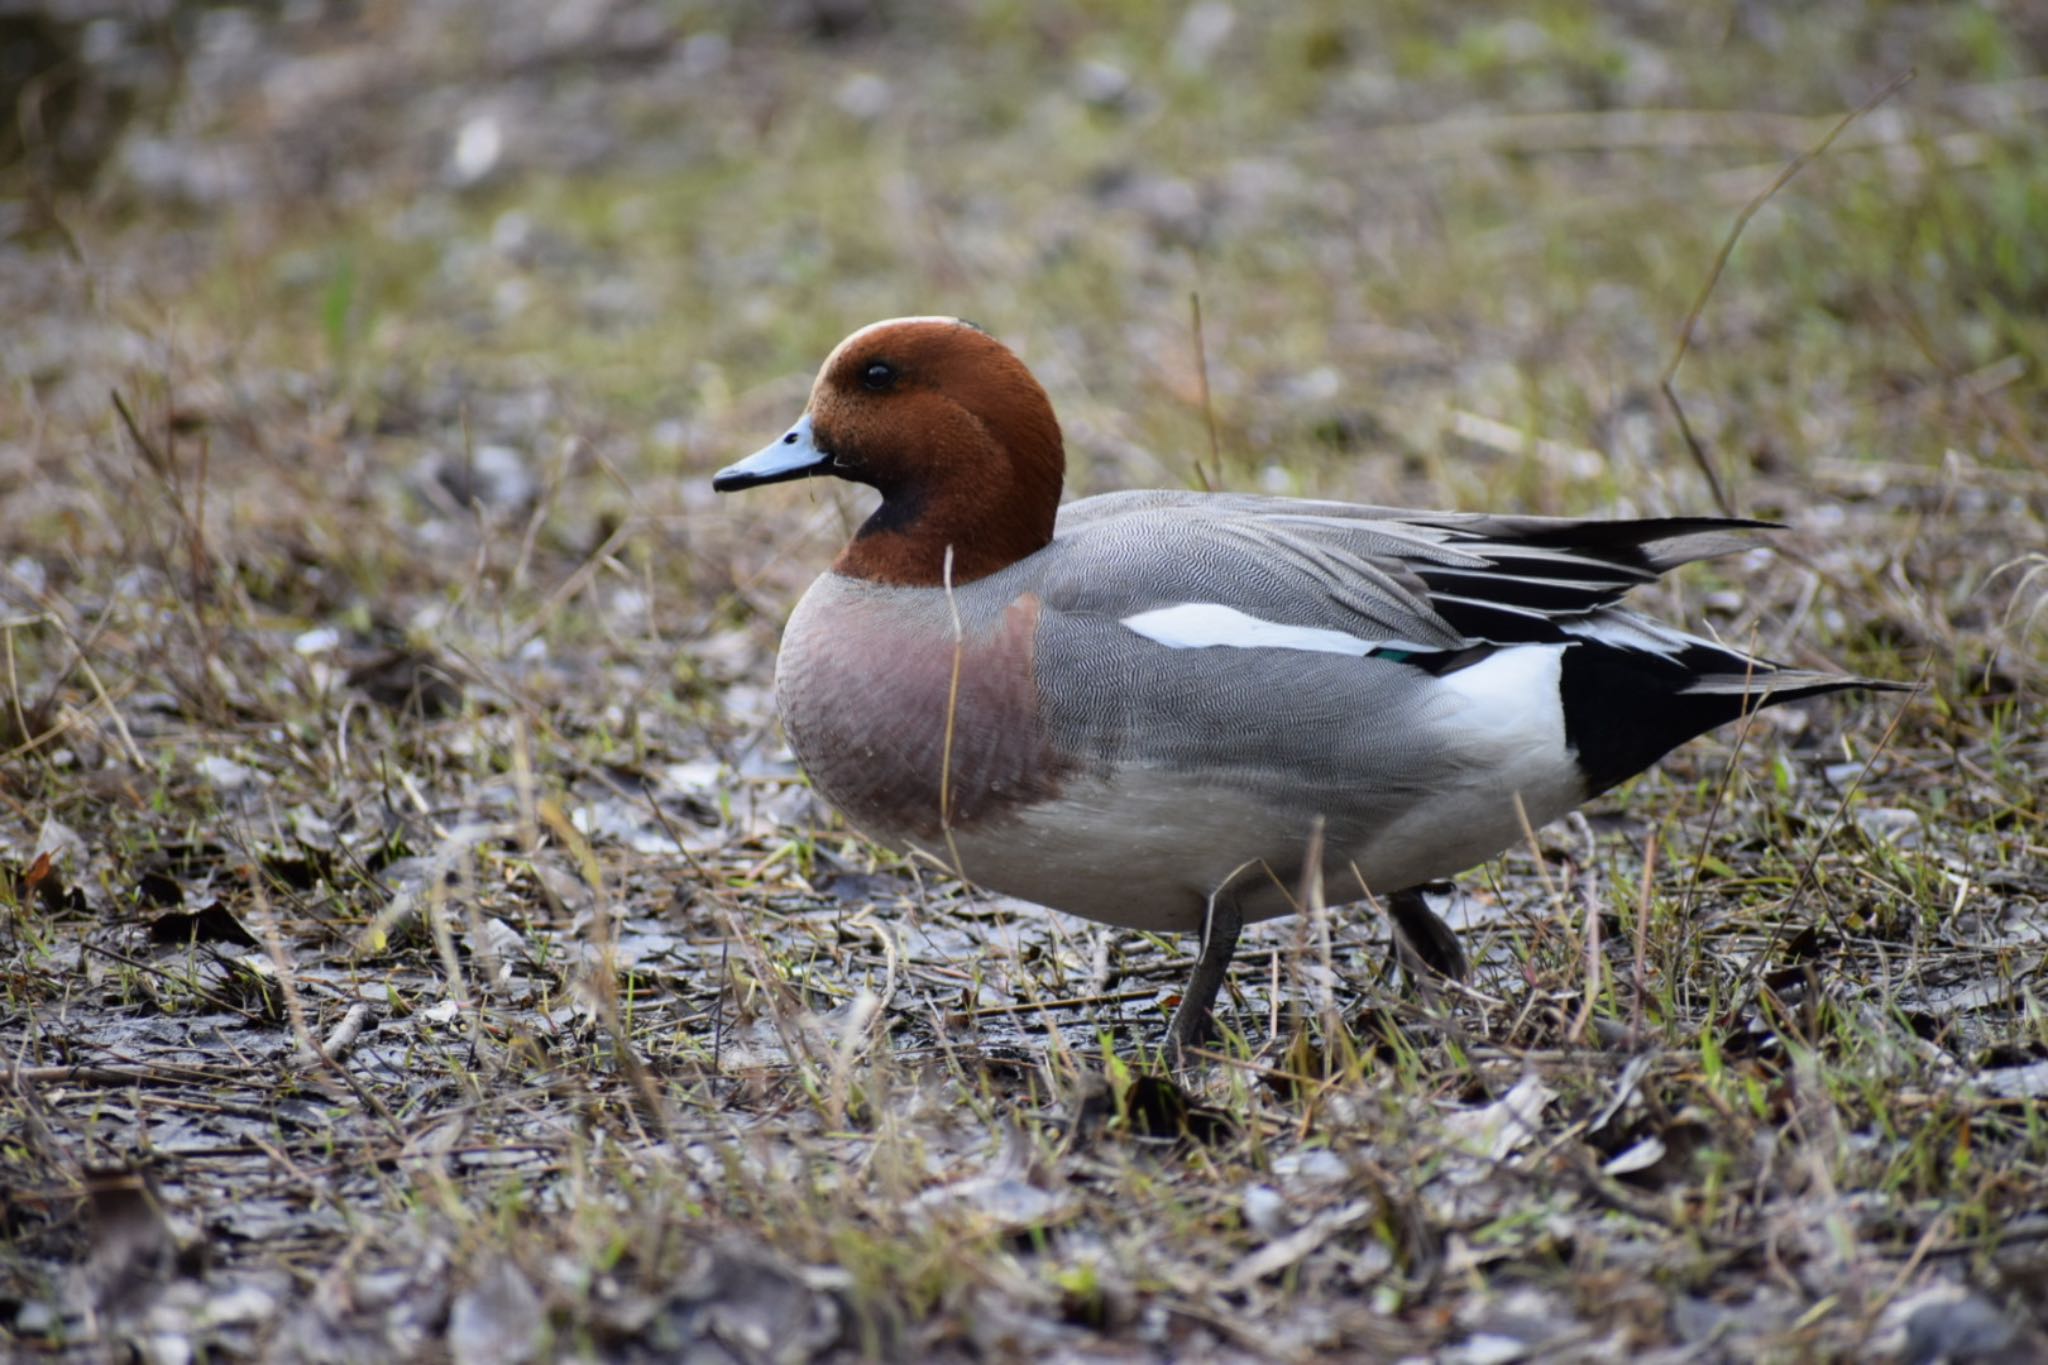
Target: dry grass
x,y
417,941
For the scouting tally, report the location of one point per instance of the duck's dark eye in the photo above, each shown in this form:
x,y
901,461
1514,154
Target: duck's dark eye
x,y
878,376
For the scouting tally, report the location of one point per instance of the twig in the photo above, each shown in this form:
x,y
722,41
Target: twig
x,y
1699,303
1898,306
1573,131
1068,1003
342,1037
1596,1182
161,1073
1699,861
295,1010
158,465
152,969
1813,860
952,712
1642,946
163,464
577,580
83,663
1577,1032
1208,407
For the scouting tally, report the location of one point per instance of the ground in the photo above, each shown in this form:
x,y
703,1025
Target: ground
x,y
417,941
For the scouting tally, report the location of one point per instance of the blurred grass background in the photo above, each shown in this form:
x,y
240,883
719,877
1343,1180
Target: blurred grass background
x,y
651,220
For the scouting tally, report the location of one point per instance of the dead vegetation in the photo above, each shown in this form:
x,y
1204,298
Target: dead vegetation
x,y
415,940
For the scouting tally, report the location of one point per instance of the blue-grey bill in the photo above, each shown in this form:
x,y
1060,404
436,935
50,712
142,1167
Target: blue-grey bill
x,y
794,456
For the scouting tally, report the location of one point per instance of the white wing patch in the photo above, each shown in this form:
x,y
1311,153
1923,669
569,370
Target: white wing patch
x,y
1207,625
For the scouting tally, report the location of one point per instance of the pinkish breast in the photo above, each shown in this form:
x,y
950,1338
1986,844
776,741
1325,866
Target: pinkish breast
x,y
906,728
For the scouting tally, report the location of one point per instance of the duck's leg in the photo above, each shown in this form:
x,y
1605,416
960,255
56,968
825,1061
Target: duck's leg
x,y
1419,929
1222,922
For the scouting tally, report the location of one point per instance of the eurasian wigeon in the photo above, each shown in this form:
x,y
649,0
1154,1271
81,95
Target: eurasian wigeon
x,y
1137,708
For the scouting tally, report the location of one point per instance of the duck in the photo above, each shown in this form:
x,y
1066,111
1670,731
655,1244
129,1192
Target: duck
x,y
1163,709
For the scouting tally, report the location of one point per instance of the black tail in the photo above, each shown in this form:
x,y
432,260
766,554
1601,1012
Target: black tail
x,y
1626,708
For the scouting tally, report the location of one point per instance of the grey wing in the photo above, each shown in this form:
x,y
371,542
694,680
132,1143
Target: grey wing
x,y
1430,580
1159,551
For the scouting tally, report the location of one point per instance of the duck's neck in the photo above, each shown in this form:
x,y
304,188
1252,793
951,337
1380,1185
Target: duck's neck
x,y
906,542
983,510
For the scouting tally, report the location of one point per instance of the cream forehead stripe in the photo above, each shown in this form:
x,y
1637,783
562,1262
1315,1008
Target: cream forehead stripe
x,y
873,327
1205,625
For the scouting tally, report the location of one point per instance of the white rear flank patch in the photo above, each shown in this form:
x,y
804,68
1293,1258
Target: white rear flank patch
x,y
1205,625
1507,707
